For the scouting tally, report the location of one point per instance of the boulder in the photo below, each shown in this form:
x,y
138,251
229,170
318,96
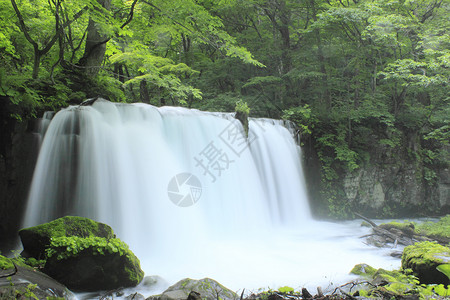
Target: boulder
x,y
423,259
207,288
36,239
18,281
83,254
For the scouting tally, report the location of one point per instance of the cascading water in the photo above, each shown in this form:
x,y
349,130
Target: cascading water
x,y
191,195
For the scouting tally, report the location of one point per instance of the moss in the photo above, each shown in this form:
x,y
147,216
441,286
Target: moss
x,y
110,261
405,226
363,270
423,258
72,226
424,253
37,239
440,229
5,263
398,284
242,112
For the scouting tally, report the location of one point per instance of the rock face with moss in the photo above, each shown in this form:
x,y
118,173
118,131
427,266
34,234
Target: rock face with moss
x,y
82,254
36,239
424,258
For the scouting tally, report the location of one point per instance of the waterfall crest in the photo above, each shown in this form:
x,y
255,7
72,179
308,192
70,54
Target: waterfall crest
x,y
113,163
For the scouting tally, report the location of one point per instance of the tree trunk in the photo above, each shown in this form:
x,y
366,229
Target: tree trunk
x,y
145,98
95,48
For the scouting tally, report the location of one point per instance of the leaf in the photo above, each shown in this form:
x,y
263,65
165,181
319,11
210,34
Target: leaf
x,y
444,269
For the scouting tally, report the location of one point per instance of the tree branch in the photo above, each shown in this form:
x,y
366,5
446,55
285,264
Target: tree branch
x,y
23,26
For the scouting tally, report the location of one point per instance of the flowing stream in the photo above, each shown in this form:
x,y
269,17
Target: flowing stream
x,y
193,197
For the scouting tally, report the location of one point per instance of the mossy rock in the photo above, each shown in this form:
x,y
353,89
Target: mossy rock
x,y
439,230
423,259
406,228
82,254
208,289
36,239
91,264
363,270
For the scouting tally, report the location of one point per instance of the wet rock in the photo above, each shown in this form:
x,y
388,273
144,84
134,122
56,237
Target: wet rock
x,y
207,288
22,282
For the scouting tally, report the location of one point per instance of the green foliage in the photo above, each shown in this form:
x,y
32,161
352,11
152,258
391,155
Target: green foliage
x,y
5,263
71,246
302,116
242,107
399,284
27,292
445,268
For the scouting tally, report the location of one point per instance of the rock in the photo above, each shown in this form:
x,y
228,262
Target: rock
x,y
154,280
194,296
423,258
36,239
363,270
83,254
207,288
23,282
93,263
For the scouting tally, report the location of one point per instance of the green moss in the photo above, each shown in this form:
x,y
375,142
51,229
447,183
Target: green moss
x,y
242,112
72,226
398,284
440,229
5,263
424,253
65,248
135,274
403,226
363,270
286,290
423,258
399,288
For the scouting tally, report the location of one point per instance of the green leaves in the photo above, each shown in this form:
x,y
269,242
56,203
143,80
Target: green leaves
x,y
68,246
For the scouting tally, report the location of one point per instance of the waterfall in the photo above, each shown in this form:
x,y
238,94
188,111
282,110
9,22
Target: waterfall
x,y
187,190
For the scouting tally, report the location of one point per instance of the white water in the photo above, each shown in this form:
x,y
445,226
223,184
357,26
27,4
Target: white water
x,y
251,227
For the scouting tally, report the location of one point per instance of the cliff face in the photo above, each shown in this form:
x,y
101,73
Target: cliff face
x,y
388,190
392,182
